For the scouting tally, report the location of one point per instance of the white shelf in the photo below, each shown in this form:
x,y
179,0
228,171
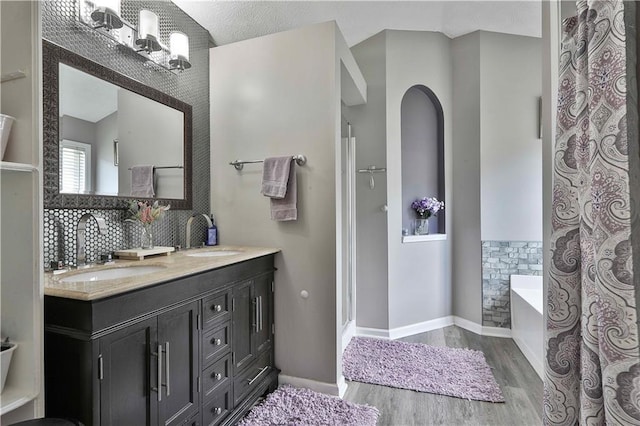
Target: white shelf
x,y
422,238
17,167
12,398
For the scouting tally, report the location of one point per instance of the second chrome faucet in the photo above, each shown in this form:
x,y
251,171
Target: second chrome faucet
x,y
187,239
81,255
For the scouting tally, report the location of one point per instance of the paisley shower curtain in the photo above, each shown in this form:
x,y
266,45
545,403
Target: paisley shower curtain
x,y
592,365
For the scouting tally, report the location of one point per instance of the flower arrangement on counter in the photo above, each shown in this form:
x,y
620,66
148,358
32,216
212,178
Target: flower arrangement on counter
x,y
141,211
145,214
426,207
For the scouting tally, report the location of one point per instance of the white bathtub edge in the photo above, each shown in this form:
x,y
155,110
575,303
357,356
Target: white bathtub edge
x,y
530,356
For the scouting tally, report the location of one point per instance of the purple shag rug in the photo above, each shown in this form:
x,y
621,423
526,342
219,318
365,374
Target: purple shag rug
x,y
298,406
463,373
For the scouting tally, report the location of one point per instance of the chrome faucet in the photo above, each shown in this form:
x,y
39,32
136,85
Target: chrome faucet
x,y
81,255
187,239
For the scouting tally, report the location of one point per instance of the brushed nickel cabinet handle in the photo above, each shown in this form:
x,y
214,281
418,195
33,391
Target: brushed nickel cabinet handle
x,y
216,342
261,313
216,308
217,411
100,367
158,389
167,369
217,376
250,381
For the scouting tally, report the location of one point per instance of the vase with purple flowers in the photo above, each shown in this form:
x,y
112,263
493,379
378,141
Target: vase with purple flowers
x,y
424,208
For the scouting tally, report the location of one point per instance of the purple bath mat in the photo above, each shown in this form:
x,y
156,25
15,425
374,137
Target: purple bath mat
x,y
298,406
463,373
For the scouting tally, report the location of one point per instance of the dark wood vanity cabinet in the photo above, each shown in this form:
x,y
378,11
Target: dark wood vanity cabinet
x,y
193,351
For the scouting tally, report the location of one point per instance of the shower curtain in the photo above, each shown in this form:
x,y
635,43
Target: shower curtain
x,y
592,365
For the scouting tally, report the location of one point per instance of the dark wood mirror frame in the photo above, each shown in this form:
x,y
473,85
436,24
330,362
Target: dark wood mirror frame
x,y
52,56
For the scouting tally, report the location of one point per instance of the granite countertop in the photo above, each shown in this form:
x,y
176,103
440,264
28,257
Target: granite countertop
x,y
176,265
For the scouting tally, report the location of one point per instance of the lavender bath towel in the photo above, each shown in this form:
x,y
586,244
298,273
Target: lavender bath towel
x,y
142,181
293,406
275,176
463,373
281,188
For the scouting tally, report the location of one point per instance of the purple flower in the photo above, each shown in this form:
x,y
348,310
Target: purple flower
x,y
426,207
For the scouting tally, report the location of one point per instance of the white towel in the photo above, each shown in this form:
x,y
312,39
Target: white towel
x,y
142,181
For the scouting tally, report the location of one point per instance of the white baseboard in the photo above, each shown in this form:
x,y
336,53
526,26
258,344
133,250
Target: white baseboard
x,y
336,389
378,333
434,324
531,356
421,327
474,327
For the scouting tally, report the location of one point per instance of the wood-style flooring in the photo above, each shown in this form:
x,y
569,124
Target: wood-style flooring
x,y
521,386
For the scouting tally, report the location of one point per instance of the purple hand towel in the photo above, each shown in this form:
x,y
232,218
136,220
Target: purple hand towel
x,y
283,187
142,181
275,175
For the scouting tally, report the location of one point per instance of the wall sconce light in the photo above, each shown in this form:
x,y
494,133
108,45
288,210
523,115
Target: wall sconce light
x,y
104,17
179,46
148,32
107,14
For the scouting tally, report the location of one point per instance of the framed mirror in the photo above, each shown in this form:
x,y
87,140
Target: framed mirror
x,y
109,138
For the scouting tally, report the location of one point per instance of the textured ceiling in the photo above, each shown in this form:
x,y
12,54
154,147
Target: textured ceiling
x,y
231,21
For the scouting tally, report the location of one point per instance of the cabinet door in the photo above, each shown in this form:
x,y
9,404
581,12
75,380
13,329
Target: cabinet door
x,y
244,323
263,298
178,337
125,369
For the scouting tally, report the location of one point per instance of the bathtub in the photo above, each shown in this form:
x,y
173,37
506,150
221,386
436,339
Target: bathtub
x,y
527,323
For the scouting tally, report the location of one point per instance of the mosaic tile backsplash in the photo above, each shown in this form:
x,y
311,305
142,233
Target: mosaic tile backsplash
x,y
500,260
60,26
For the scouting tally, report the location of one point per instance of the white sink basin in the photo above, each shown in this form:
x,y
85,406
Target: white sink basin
x,y
112,273
217,253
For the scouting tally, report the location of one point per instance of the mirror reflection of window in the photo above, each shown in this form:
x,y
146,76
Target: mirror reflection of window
x,y
75,163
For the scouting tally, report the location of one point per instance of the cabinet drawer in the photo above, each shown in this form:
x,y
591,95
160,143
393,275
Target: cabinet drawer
x,y
215,344
217,376
216,410
216,308
250,377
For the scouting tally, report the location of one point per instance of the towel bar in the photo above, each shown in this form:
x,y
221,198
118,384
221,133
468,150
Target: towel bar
x,y
301,160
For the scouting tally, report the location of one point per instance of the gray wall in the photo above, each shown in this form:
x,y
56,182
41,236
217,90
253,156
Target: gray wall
x,y
369,127
106,171
465,201
511,152
419,154
419,273
60,26
157,145
265,104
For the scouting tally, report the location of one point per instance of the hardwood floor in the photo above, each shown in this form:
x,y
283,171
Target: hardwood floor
x,y
521,386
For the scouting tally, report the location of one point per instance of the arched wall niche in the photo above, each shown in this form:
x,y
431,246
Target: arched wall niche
x,y
422,145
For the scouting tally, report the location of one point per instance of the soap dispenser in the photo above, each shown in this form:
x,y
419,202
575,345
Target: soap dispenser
x,y
212,233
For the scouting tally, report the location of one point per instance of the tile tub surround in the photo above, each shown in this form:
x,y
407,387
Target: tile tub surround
x,y
60,26
177,265
500,260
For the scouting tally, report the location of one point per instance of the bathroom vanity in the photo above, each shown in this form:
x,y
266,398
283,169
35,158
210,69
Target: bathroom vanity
x,y
191,342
